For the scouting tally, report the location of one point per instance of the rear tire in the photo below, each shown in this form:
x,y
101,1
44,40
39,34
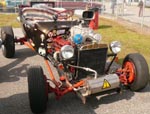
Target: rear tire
x,y
140,71
8,42
38,94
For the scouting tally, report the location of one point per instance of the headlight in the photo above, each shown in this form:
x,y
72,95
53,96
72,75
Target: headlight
x,y
67,51
97,37
115,47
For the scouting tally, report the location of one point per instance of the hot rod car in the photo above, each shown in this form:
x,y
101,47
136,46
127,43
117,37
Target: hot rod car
x,y
83,63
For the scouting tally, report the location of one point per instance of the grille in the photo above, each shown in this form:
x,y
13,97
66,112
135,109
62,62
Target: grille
x,y
94,58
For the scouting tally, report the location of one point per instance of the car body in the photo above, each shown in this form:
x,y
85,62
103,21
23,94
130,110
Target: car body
x,y
84,64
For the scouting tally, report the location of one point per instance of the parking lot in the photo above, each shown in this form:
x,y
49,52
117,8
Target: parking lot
x,y
14,92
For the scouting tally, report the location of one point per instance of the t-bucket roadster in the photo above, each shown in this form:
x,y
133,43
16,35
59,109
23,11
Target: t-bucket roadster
x,y
83,63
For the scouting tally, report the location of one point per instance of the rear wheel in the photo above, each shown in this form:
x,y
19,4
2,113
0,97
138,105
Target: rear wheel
x,y
137,71
8,42
37,87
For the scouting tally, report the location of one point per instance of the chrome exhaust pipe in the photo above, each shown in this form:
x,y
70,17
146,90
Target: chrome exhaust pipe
x,y
107,82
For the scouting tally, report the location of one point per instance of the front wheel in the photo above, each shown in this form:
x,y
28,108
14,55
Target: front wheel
x,y
8,42
37,88
137,71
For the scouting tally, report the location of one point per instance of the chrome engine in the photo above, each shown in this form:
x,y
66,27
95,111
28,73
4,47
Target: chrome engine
x,y
86,33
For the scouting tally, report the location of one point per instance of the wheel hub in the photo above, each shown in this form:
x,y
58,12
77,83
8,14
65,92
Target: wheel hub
x,y
129,71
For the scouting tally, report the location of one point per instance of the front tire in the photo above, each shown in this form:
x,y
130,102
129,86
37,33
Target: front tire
x,y
138,72
37,89
8,42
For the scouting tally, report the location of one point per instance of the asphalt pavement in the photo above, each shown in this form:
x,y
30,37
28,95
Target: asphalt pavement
x,y
14,92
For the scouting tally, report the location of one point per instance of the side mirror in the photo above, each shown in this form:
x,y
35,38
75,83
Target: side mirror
x,y
18,19
88,15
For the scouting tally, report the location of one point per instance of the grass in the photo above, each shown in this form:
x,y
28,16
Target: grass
x,y
132,42
9,20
